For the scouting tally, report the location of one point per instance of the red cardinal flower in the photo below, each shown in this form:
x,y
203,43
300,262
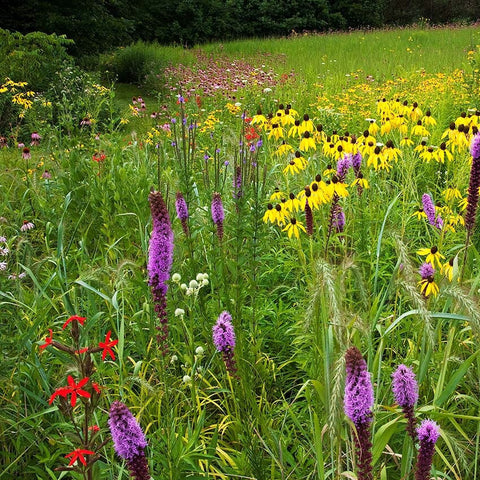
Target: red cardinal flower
x,y
78,454
48,340
74,318
63,392
107,346
76,389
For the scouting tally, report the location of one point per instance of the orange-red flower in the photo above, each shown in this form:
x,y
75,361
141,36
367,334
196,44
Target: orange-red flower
x,y
76,318
78,454
107,346
48,340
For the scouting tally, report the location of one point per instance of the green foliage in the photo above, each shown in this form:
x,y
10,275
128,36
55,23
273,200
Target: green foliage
x,y
33,58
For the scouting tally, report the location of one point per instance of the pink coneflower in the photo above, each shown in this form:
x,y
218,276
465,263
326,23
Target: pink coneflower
x,y
26,153
26,226
86,122
46,175
20,145
35,138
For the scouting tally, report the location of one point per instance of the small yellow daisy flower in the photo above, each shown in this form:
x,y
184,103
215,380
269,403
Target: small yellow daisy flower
x,y
433,256
293,228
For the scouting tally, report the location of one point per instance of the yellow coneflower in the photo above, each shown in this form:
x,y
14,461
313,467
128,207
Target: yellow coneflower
x,y
294,166
259,119
320,192
293,228
307,125
307,142
447,269
419,130
270,215
433,256
373,128
451,193
391,153
421,148
360,180
376,158
419,213
329,148
450,132
292,204
283,149
293,112
277,195
337,187
368,148
386,126
428,154
428,286
428,120
462,204
287,119
406,142
276,131
319,135
441,153
329,171
280,214
462,120
415,113
295,130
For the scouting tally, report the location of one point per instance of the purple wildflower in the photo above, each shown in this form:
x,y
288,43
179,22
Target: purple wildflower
x,y
473,186
224,340
218,214
26,226
338,220
356,162
426,270
405,391
358,403
26,153
182,211
160,257
429,209
35,139
128,440
428,433
237,183
308,218
343,165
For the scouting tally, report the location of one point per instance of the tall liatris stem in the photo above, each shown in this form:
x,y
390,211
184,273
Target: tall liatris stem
x,y
218,214
428,433
358,403
405,391
182,212
160,258
473,186
129,440
224,340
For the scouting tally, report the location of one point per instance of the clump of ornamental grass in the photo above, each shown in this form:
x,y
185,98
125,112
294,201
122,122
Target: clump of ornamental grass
x,y
79,399
160,257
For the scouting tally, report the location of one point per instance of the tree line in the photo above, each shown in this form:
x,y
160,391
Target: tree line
x,y
99,25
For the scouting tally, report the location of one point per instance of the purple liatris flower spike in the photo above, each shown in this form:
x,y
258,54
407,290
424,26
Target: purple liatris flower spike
x,y
356,162
237,183
358,403
428,433
182,211
405,391
218,214
160,256
474,185
224,340
338,221
308,218
343,165
128,440
429,209
426,270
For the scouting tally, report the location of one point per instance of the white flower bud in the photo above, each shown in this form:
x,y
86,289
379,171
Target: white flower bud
x,y
183,286
199,351
187,379
173,359
176,277
179,312
193,284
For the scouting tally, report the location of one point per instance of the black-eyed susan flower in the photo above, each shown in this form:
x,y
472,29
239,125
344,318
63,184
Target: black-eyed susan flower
x,y
283,149
427,283
441,153
277,195
406,142
428,120
307,125
293,203
258,119
373,128
447,269
307,142
433,256
337,188
294,130
451,193
428,154
419,130
276,131
419,213
293,227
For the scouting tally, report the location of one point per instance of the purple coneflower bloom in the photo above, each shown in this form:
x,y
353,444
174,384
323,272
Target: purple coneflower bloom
x,y
129,440
46,175
26,226
405,391
428,433
35,138
26,153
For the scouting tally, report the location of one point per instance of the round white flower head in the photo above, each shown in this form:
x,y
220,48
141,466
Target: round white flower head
x,y
199,351
183,286
187,379
200,277
193,284
173,359
179,312
176,277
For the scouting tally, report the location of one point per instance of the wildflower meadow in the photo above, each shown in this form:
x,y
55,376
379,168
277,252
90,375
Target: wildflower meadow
x,y
258,261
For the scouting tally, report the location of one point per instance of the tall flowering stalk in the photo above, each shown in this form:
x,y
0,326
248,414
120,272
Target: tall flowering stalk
x,y
405,391
358,403
160,256
129,440
429,209
182,212
224,340
218,215
428,433
473,187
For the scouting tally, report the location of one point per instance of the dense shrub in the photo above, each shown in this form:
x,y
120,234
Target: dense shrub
x,y
33,58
